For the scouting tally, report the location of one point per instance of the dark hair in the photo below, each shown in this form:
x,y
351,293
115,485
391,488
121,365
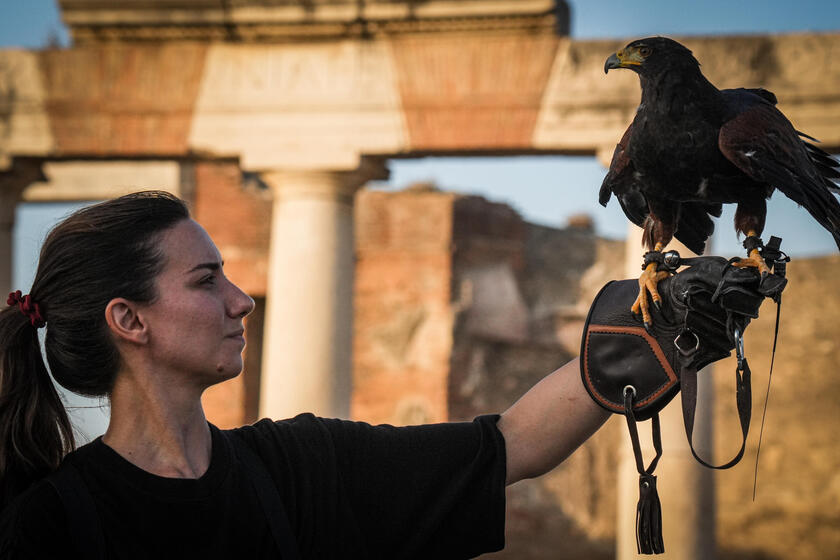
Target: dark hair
x,y
101,252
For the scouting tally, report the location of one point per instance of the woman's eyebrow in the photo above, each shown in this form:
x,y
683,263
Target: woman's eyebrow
x,y
213,266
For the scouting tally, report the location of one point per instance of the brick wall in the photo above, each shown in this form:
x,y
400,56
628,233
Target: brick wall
x,y
403,315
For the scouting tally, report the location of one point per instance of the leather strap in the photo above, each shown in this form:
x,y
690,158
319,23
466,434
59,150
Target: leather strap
x,y
634,437
649,508
743,399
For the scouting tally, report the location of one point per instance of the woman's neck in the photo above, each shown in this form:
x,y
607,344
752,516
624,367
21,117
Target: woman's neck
x,y
159,428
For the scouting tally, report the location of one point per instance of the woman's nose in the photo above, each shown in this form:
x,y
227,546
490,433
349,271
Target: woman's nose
x,y
241,303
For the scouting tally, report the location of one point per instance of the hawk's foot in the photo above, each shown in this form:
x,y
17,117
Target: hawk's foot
x,y
647,284
753,245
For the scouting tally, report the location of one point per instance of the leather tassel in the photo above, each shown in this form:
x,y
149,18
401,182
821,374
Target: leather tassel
x,y
649,517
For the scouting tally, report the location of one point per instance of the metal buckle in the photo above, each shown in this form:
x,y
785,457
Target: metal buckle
x,y
739,348
687,353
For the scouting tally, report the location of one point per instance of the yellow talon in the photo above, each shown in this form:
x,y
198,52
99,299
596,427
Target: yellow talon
x,y
754,260
647,283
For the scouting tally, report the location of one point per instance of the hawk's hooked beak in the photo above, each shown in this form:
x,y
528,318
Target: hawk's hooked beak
x,y
625,58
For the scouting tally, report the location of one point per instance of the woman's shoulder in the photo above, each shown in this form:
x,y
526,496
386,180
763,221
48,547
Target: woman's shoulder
x,y
35,521
33,524
303,426
40,498
301,434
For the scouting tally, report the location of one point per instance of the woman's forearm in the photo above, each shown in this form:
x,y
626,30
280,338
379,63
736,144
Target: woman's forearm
x,y
548,423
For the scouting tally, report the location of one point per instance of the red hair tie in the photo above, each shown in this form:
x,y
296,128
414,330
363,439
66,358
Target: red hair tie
x,y
28,307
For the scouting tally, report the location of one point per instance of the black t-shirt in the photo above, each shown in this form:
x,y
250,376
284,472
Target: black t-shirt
x,y
351,490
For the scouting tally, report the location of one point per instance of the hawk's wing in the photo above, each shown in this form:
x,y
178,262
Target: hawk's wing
x,y
762,143
623,181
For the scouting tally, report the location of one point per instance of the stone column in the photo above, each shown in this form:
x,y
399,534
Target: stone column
x,y
686,488
8,203
12,182
307,358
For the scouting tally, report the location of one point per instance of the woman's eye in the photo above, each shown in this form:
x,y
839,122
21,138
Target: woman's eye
x,y
208,280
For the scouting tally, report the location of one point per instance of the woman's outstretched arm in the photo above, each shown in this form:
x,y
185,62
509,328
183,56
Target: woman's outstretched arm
x,y
548,423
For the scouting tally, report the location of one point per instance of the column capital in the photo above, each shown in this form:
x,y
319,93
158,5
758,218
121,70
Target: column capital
x,y
21,174
335,184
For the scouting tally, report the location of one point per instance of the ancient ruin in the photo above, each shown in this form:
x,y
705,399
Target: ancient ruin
x,y
269,116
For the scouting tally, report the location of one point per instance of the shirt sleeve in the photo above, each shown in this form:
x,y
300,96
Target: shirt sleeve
x,y
434,491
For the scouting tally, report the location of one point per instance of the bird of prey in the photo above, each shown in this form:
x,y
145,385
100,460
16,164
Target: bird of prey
x,y
693,147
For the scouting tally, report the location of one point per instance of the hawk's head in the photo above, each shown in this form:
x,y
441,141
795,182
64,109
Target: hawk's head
x,y
651,56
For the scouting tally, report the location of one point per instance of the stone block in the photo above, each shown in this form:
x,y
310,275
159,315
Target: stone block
x,y
465,92
271,104
119,99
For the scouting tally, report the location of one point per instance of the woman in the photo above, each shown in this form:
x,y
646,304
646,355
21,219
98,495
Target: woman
x,y
137,308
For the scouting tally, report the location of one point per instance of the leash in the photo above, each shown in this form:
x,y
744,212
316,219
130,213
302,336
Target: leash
x,y
772,253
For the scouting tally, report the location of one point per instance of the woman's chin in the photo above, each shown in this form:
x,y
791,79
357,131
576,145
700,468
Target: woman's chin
x,y
225,371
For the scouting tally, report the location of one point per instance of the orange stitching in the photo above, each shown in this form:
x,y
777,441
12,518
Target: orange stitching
x,y
654,346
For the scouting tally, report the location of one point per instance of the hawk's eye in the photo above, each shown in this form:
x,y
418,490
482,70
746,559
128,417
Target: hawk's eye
x,y
644,51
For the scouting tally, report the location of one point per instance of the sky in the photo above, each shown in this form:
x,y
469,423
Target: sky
x,y
532,185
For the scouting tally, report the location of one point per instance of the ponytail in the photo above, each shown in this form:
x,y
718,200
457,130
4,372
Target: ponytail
x,y
35,432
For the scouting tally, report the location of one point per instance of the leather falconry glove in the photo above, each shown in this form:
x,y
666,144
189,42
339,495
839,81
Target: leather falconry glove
x,y
634,371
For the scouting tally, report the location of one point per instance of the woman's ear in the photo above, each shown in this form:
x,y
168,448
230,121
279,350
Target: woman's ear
x,y
125,322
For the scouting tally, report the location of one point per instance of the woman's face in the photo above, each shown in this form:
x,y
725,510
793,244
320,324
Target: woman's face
x,y
195,324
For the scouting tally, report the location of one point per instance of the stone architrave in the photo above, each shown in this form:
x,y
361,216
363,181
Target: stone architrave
x,y
686,488
275,21
307,361
24,125
299,106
